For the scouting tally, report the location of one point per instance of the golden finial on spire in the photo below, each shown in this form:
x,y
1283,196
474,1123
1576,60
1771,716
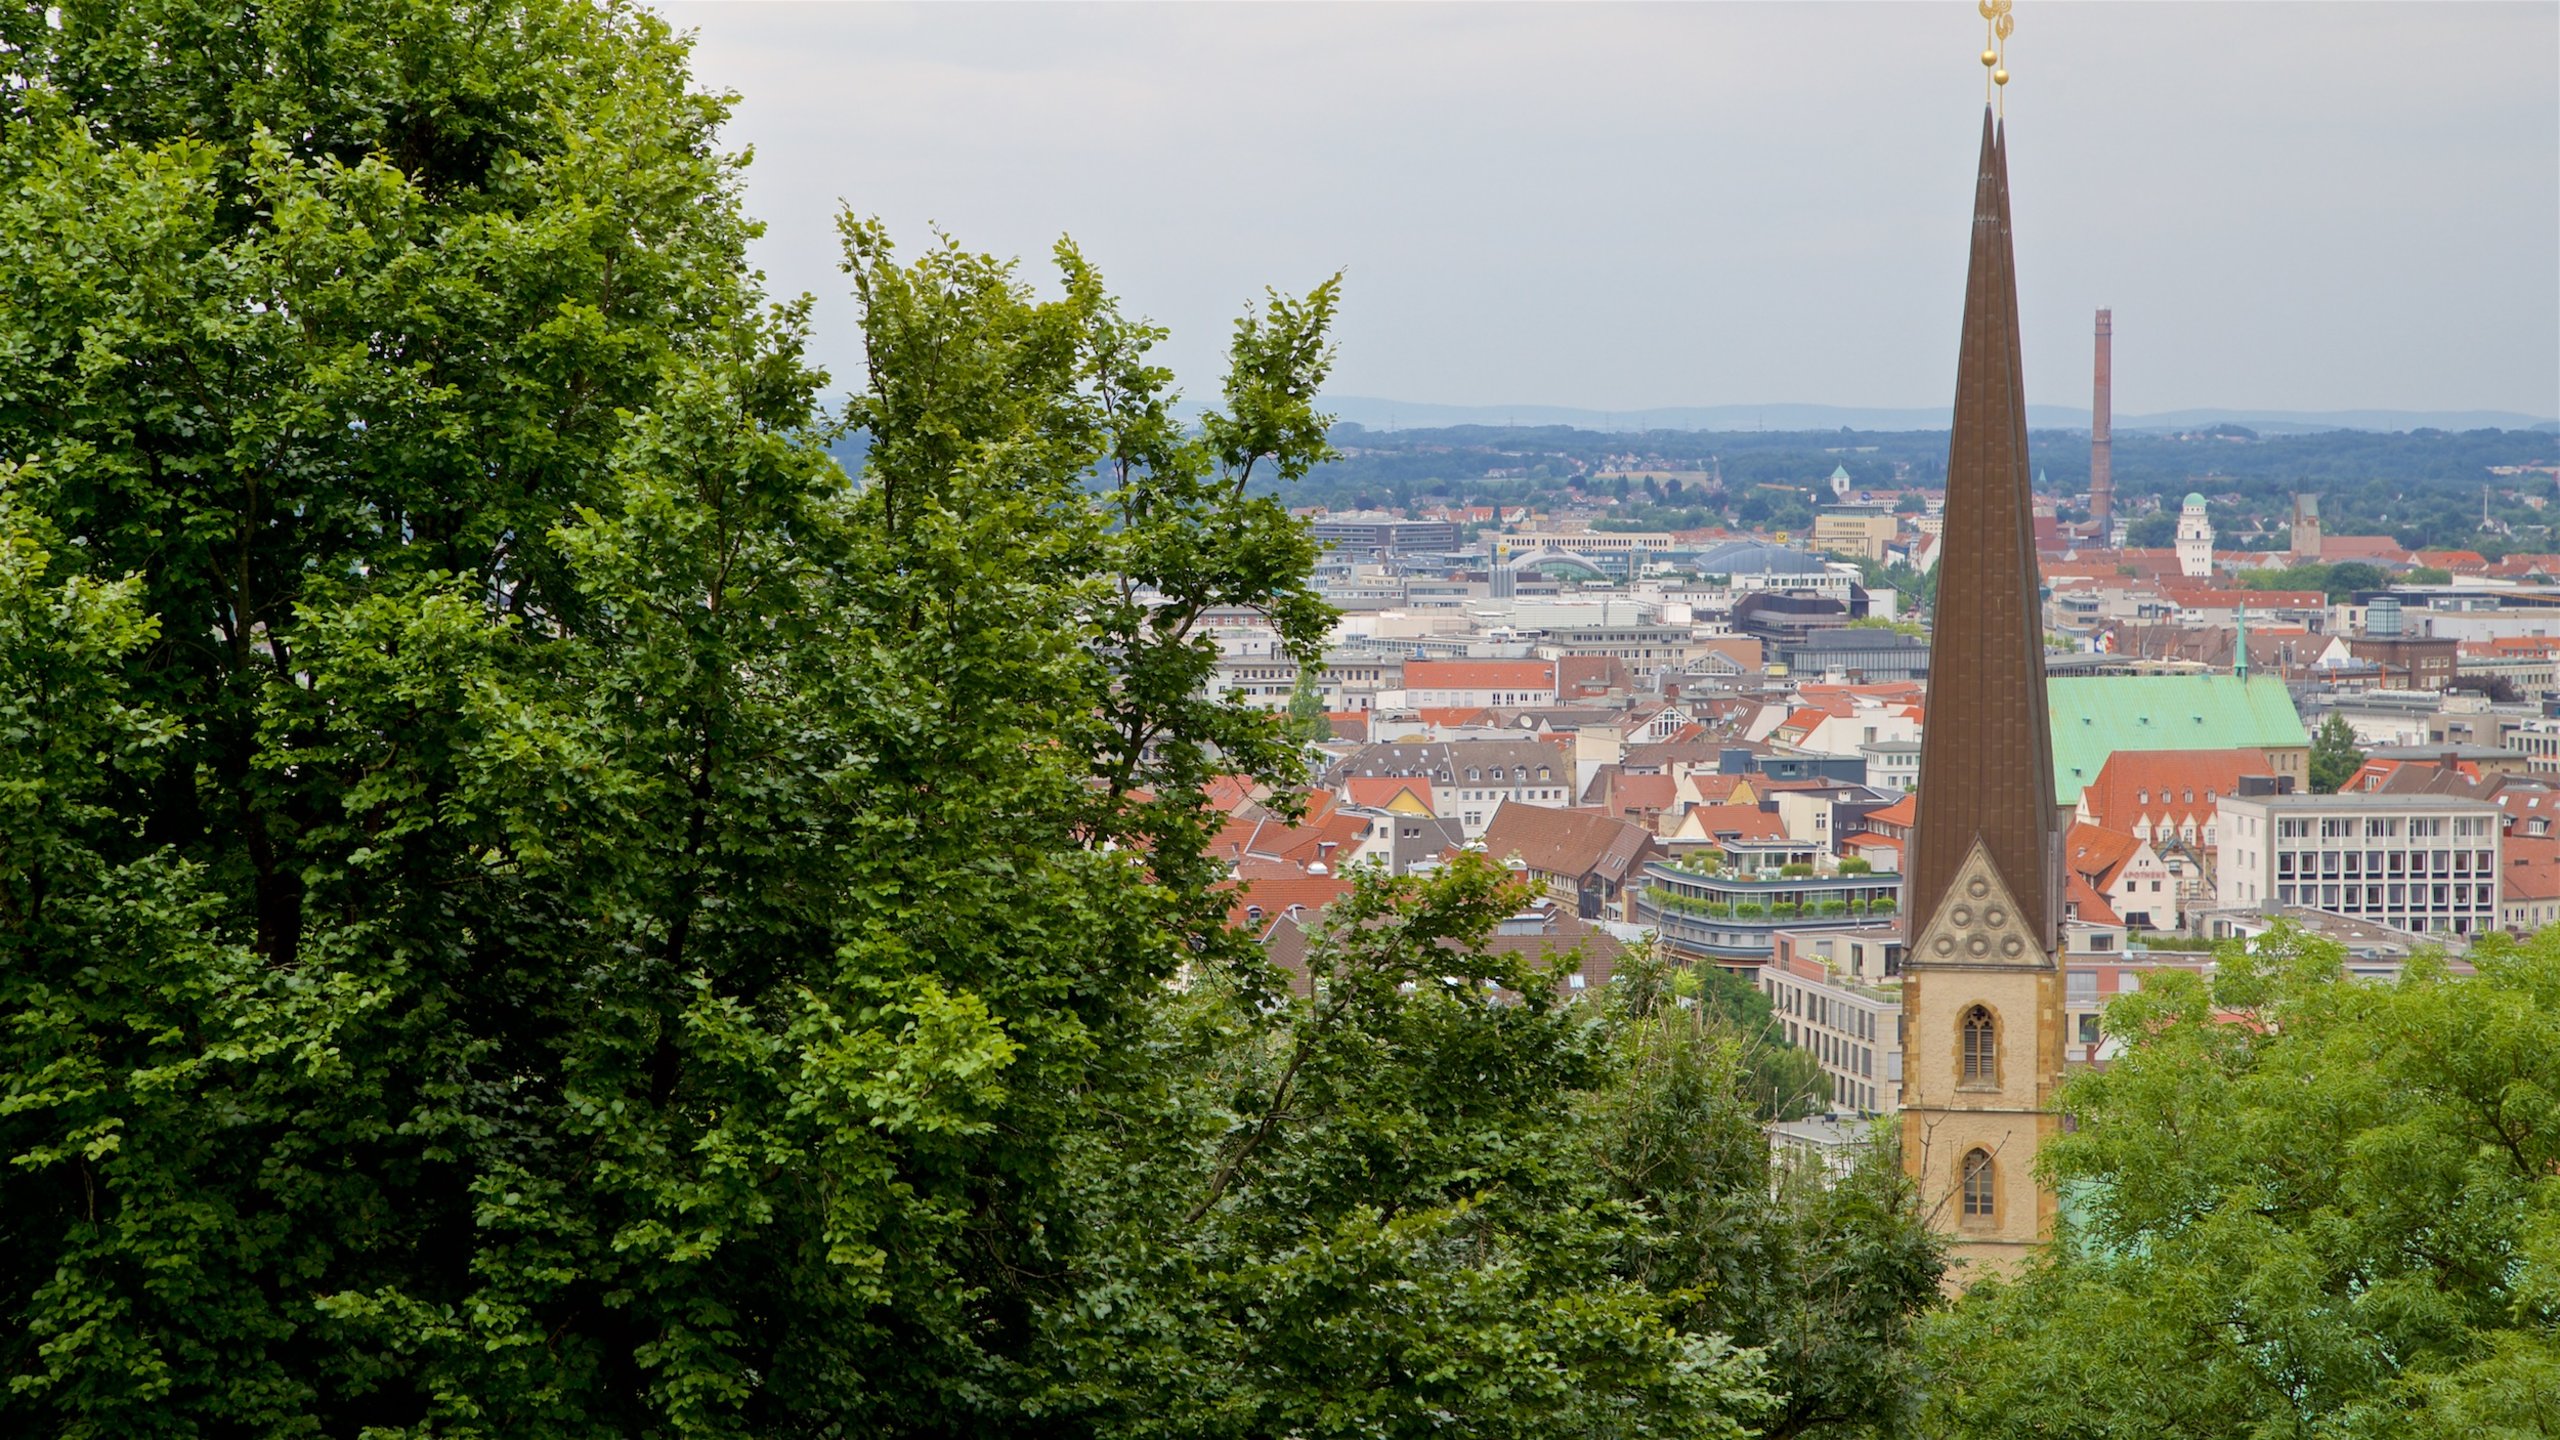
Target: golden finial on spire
x,y
1997,23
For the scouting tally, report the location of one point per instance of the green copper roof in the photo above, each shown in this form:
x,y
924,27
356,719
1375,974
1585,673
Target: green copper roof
x,y
2094,716
2195,497
1839,472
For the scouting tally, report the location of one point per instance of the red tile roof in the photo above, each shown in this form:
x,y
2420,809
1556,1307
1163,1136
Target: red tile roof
x,y
2451,559
1648,794
2168,788
1275,888
1380,791
1569,843
2361,547
1738,822
1904,812
1479,675
1711,788
2533,867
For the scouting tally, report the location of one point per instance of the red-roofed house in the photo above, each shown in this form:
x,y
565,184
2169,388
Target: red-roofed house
x,y
2529,890
1264,892
2460,562
1584,860
2372,549
2111,878
1479,683
2159,796
1729,822
1326,835
1403,794
1646,800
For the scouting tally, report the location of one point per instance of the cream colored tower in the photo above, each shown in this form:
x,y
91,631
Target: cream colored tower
x,y
1982,1056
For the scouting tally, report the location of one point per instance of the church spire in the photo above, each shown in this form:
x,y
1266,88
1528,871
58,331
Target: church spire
x,y
1986,760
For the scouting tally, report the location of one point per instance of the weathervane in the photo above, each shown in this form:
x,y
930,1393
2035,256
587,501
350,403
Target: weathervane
x,y
1997,24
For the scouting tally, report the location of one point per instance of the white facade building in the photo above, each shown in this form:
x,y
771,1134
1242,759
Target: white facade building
x,y
2418,862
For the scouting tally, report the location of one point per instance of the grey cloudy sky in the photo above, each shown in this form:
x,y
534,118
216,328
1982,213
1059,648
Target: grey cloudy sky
x,y
2288,205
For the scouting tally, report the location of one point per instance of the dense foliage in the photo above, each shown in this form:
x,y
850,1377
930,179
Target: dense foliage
x,y
533,903
2303,1205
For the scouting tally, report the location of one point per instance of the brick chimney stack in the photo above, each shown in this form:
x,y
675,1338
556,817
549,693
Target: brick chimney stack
x,y
2102,480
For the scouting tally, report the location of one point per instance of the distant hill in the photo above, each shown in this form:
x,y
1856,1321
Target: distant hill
x,y
1378,414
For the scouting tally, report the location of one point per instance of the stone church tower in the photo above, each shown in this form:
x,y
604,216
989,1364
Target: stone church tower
x,y
1982,978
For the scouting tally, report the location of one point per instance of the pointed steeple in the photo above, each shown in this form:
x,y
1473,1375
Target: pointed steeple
x,y
1986,759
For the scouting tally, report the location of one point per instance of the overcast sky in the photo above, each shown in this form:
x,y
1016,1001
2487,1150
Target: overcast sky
x,y
2289,206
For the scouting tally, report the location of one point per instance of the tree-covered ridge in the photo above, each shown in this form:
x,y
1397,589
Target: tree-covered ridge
x,y
2423,486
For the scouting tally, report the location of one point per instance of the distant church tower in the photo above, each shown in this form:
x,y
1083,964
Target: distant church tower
x,y
1982,989
2195,539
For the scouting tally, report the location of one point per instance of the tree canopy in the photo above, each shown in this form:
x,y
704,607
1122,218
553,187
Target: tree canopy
x,y
2300,1204
2335,755
537,904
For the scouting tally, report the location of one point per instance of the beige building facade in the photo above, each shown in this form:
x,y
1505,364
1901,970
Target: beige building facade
x,y
1982,1059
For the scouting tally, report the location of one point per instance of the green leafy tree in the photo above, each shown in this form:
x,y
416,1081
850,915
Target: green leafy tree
x,y
577,918
2153,531
2335,756
1825,1275
534,903
1783,1081
1307,719
1401,1132
2300,1205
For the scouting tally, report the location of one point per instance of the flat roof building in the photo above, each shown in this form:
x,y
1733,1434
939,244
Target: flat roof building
x,y
2427,863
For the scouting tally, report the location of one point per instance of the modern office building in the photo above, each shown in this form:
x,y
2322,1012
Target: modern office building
x,y
2427,863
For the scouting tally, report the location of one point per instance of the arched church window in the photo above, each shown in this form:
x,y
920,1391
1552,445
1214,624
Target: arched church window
x,y
1976,1186
1981,1049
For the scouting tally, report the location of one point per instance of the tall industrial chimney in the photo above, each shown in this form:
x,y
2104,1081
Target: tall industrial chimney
x,y
2102,480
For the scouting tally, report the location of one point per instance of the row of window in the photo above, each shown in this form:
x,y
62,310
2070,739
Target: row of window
x,y
2385,862
2363,899
1519,773
2381,827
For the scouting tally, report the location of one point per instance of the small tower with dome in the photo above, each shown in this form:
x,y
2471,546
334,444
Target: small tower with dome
x,y
2195,539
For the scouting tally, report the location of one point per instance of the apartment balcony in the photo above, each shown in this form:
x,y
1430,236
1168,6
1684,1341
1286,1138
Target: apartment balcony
x,y
1733,919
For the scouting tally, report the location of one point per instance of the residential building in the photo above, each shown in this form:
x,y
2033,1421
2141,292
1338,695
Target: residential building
x,y
1469,778
2111,878
1730,915
1505,684
1839,995
1582,860
2410,662
2529,896
1542,930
